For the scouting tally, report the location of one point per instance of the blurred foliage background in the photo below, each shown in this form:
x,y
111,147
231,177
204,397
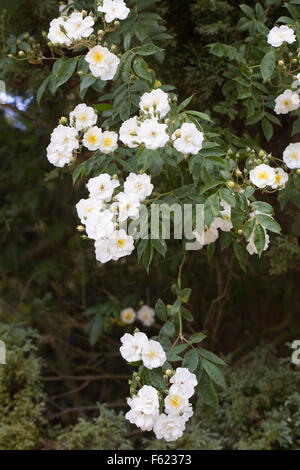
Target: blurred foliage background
x,y
64,384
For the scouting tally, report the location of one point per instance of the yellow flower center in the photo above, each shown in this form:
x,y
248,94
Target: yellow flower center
x,y
92,139
278,178
102,187
83,117
294,156
263,175
287,103
152,354
128,315
98,57
121,243
175,401
107,142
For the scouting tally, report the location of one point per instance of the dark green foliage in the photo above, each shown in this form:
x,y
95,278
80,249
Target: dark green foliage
x,y
259,409
51,282
106,432
22,425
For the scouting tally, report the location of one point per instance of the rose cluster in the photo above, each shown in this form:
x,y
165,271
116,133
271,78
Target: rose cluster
x,y
147,404
149,130
146,315
66,30
101,218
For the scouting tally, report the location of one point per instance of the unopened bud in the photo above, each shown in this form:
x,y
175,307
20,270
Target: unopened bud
x,y
261,154
21,53
80,228
100,33
168,372
167,121
231,184
117,23
84,13
157,84
298,172
238,173
178,134
281,63
294,61
240,232
63,120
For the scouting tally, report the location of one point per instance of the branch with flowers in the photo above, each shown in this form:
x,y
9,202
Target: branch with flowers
x,y
138,145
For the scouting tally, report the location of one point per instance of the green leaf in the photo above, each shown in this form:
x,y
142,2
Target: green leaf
x,y
42,89
259,239
247,11
141,69
197,338
267,129
79,172
173,354
203,116
248,228
227,196
154,377
210,356
168,329
191,360
207,392
184,104
269,223
103,107
186,314
148,255
263,207
185,295
237,218
268,65
146,49
209,186
214,373
241,253
160,310
65,71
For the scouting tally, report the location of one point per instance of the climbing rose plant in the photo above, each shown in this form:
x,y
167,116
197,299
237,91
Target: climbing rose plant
x,y
128,146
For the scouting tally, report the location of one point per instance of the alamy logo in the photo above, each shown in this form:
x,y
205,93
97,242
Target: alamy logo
x,y
2,352
296,353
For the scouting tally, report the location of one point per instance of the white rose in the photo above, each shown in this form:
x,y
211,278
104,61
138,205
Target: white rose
x,y
153,355
278,35
103,64
291,156
114,9
262,176
108,142
102,186
286,102
92,138
83,117
188,139
153,134
132,346
128,315
155,103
